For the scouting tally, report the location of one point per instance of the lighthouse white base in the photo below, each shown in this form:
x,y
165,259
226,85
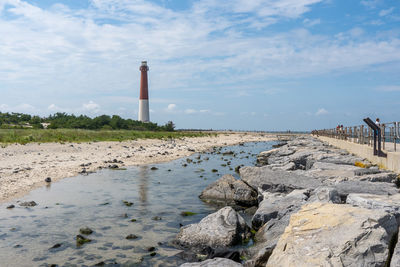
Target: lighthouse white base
x,y
144,110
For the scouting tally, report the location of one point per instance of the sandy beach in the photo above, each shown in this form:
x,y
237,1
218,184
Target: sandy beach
x,y
25,167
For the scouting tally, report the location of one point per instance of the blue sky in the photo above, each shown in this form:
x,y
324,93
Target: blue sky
x,y
239,64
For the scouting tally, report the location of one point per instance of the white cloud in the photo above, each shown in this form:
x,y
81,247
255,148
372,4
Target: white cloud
x,y
84,56
204,111
55,108
370,3
91,107
321,111
171,107
311,22
190,111
389,88
377,22
356,32
385,12
4,107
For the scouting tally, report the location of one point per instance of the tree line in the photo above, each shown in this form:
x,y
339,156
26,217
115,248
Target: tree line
x,y
70,121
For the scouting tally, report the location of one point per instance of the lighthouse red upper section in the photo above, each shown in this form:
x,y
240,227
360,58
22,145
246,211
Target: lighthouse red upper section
x,y
144,89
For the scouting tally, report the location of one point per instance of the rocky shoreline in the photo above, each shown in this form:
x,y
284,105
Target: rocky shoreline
x,y
315,205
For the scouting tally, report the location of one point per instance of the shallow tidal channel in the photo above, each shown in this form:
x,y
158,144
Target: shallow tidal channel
x,y
46,234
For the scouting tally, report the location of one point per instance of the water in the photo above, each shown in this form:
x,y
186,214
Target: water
x,y
27,235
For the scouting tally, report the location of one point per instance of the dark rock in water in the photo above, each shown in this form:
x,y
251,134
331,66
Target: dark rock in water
x,y
56,246
153,168
11,206
18,246
221,229
220,262
230,190
85,231
237,168
28,204
81,240
187,213
153,254
127,203
47,180
156,218
150,249
214,170
131,236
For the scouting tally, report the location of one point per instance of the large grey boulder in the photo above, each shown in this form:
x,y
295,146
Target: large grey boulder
x,y
390,204
385,177
221,229
286,166
324,234
347,187
325,195
229,190
278,206
265,179
262,158
216,262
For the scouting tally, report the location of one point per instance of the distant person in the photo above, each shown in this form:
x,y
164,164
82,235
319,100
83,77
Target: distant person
x,y
377,122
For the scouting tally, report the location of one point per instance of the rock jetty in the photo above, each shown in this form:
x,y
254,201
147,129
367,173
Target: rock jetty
x,y
315,205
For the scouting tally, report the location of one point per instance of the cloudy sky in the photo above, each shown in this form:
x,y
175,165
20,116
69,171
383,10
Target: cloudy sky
x,y
237,64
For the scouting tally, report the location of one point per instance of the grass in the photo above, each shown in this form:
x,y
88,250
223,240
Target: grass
x,y
24,136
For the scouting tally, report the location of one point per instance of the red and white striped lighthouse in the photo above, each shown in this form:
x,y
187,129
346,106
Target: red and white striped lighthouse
x,y
144,94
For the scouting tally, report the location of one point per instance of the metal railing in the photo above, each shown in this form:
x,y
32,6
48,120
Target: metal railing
x,y
363,134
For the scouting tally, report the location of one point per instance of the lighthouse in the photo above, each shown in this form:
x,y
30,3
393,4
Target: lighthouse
x,y
144,94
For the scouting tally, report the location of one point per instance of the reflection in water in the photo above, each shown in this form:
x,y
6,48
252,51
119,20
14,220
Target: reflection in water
x,y
143,185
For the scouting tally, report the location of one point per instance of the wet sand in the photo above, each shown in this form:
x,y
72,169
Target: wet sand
x,y
25,167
